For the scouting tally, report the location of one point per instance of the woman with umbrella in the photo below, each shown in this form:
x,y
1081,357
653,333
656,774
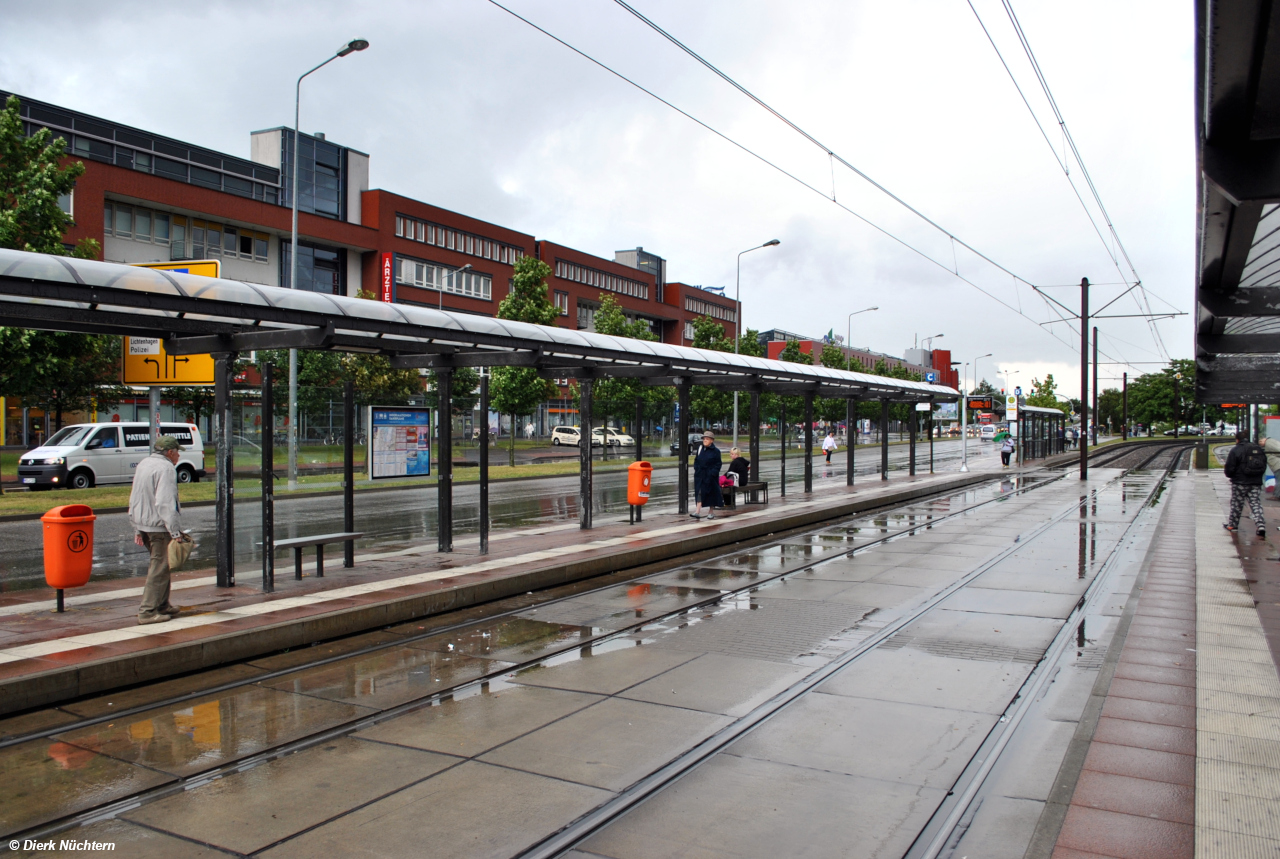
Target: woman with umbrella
x,y
706,477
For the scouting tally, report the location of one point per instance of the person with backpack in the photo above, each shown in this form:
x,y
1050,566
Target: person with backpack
x,y
1245,467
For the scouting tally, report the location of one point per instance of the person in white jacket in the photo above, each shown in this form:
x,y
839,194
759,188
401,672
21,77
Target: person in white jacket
x,y
829,444
156,518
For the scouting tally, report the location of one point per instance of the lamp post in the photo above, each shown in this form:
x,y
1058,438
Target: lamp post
x,y
455,289
929,348
848,343
737,320
349,48
975,366
1177,404
964,424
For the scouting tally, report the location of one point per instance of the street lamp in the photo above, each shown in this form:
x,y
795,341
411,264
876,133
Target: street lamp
x,y
975,366
737,327
964,421
929,348
1177,406
349,48
455,285
848,344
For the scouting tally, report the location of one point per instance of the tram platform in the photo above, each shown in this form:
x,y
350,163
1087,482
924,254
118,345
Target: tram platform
x,y
96,644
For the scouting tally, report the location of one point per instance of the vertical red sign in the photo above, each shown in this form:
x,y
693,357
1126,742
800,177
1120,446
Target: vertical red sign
x,y
388,283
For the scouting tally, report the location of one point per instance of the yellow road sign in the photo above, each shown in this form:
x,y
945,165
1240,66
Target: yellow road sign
x,y
202,267
146,363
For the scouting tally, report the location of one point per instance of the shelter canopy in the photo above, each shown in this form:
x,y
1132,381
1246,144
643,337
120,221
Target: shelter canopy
x,y
198,314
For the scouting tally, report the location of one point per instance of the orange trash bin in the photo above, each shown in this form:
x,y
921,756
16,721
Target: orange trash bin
x,y
638,477
68,546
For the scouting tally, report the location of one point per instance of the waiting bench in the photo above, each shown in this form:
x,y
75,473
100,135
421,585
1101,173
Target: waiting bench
x,y
319,541
750,493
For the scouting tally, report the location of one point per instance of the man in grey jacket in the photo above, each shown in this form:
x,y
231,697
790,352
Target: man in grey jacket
x,y
156,518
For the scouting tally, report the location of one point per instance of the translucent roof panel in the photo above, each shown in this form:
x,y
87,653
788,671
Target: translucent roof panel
x,y
255,305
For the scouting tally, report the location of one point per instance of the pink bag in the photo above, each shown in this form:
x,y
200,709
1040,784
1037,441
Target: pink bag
x,y
727,480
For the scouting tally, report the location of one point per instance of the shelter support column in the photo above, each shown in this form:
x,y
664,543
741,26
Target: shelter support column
x,y
753,438
851,431
911,440
444,480
584,453
808,443
484,460
884,439
682,442
782,438
348,471
223,464
268,481
931,435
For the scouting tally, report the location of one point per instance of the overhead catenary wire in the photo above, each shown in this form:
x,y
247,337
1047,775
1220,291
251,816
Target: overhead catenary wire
x,y
819,191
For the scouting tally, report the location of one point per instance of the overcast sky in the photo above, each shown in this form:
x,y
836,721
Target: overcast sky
x,y
465,107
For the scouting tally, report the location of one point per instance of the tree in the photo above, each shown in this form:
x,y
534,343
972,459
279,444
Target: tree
x,y
62,371
1043,394
984,389
1110,409
832,409
31,181
1151,396
520,390
711,404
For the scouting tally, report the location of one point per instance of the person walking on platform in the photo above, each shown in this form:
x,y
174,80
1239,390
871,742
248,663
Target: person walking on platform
x,y
829,444
706,477
1006,451
1245,467
739,467
1271,446
156,518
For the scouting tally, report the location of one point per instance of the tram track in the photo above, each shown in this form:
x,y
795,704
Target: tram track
x,y
630,797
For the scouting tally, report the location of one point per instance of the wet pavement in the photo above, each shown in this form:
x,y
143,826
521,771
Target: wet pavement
x,y
406,517
482,741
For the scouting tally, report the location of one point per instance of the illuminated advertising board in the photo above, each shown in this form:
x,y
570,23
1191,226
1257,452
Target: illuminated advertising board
x,y
399,442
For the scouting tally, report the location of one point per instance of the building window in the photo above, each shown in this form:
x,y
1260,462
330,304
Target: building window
x,y
426,275
417,230
562,302
66,202
688,331
320,268
706,308
586,316
602,280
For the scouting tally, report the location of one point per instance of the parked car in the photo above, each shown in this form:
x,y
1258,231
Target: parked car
x,y
83,455
620,438
573,436
693,442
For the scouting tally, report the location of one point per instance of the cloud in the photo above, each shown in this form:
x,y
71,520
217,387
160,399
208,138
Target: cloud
x,y
463,106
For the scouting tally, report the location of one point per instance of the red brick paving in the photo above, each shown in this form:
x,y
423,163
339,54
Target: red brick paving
x,y
1135,798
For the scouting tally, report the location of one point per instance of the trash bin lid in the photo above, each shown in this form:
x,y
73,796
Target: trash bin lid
x,y
642,465
70,513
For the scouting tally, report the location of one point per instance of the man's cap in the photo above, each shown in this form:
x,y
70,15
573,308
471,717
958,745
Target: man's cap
x,y
167,442
709,434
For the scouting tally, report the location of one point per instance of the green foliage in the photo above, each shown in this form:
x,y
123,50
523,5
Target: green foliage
x,y
1110,409
617,397
984,389
709,405
520,390
1043,394
63,372
31,181
1151,397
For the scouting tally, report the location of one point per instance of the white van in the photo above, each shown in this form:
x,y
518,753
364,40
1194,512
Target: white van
x,y
83,455
988,432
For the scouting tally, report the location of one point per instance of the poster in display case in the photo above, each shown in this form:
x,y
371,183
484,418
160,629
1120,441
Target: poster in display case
x,y
399,442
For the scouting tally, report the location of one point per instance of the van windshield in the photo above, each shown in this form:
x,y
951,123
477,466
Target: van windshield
x,y
68,436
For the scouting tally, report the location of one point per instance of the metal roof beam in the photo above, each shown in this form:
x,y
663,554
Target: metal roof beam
x,y
465,359
1239,344
1253,301
1246,171
249,341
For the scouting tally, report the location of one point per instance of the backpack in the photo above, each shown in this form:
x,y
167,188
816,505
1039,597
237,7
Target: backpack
x,y
1254,463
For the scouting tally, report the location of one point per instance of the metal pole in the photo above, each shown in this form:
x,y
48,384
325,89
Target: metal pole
x,y
268,480
911,441
808,443
682,443
964,421
1124,400
753,436
884,439
852,432
1084,378
484,461
931,435
584,454
348,471
444,482
1097,429
636,431
782,437
153,400
223,459
1177,406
